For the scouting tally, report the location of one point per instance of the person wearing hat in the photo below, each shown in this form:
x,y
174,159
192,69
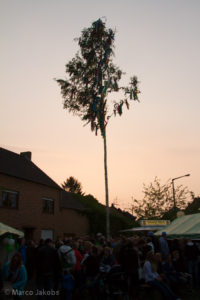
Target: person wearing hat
x,y
164,247
150,233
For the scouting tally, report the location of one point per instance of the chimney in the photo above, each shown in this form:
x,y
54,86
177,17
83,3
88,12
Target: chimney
x,y
26,155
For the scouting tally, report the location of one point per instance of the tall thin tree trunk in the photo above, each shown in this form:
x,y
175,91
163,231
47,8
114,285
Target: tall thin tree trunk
x,y
106,189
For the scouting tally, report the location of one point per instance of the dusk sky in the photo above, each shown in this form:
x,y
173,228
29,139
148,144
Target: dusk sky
x,y
157,40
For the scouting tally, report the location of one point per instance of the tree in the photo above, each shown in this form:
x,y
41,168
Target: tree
x,y
92,76
115,202
72,185
194,206
96,215
158,200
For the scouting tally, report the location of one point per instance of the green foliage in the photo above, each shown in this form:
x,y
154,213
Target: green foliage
x,y
193,207
171,214
158,200
72,185
92,76
121,220
96,214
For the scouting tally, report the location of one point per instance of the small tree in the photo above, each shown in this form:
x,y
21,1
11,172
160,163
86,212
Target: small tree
x,y
72,185
158,199
92,76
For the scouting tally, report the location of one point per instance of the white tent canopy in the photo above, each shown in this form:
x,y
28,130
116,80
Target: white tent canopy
x,y
143,228
5,229
183,227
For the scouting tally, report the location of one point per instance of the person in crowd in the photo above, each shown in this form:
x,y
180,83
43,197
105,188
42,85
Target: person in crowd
x,y
154,241
81,246
30,259
91,263
107,260
1,279
175,245
22,249
158,261
59,243
164,247
143,248
174,278
150,244
191,256
48,269
14,273
179,263
87,248
78,255
67,256
67,285
77,273
154,279
40,244
119,244
91,268
180,268
128,259
100,239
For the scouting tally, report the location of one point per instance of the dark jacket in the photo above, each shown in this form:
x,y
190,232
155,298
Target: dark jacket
x,y
47,261
128,260
191,251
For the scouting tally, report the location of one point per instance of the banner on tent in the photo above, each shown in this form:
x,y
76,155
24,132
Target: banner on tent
x,y
154,222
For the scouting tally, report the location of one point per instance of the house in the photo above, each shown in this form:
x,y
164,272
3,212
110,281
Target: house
x,y
32,202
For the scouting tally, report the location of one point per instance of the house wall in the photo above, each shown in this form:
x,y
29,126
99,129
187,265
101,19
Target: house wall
x,y
72,221
29,213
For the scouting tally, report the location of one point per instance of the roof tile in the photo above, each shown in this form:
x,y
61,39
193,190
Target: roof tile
x,y
18,166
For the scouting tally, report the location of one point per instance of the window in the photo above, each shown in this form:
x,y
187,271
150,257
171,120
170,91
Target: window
x,y
48,205
9,199
47,234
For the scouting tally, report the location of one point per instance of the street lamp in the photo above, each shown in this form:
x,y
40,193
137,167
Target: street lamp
x,y
173,189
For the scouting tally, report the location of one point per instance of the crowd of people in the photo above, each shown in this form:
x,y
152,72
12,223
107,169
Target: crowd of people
x,y
94,268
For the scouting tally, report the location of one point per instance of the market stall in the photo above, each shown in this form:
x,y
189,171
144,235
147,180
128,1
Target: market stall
x,y
187,226
8,238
